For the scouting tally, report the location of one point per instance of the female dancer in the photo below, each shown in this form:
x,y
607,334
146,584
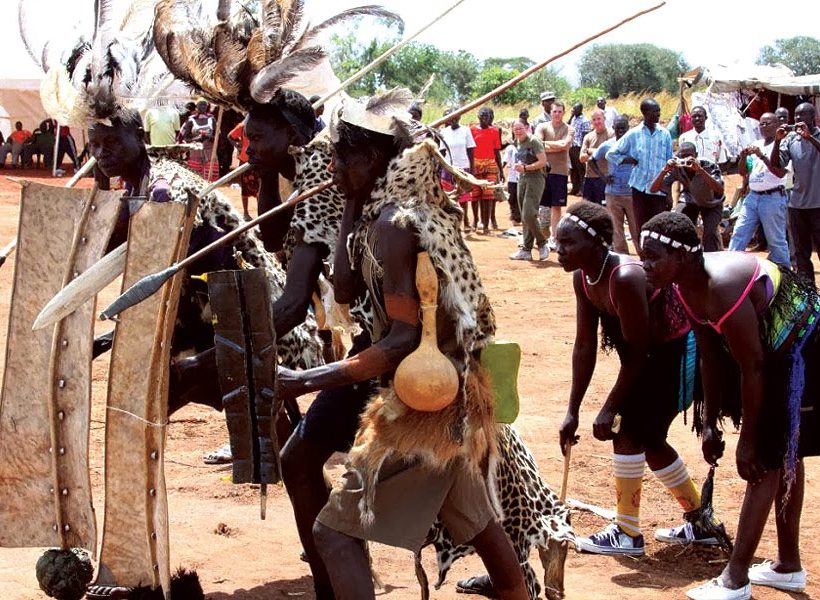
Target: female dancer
x,y
649,331
765,318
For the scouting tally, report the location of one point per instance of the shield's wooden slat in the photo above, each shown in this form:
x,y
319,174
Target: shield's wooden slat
x,y
135,531
70,376
29,484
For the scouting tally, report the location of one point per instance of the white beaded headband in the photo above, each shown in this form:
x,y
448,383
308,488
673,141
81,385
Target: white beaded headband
x,y
585,226
663,239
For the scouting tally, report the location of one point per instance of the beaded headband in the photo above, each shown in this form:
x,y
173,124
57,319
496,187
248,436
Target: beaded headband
x,y
585,226
663,239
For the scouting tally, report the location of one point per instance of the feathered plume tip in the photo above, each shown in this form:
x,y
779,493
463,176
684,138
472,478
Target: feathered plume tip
x,y
385,113
108,65
232,58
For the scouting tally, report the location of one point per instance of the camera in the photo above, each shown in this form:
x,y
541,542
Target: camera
x,y
790,127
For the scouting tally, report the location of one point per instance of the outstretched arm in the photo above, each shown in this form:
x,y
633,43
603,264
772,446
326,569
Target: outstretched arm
x,y
584,354
303,270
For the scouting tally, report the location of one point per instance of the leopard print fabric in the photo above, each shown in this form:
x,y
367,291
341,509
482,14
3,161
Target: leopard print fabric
x,y
301,347
533,515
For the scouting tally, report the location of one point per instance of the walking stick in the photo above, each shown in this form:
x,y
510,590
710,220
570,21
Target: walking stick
x,y
149,284
103,272
526,73
567,457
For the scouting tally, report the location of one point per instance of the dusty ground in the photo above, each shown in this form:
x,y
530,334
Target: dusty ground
x,y
255,560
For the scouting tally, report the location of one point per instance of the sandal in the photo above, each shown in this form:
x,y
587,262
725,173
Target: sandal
x,y
480,585
220,456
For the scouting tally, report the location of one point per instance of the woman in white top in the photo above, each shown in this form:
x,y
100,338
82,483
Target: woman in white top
x,y
457,145
512,184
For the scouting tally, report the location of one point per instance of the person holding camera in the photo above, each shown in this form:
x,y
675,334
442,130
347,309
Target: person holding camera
x,y
801,145
530,162
701,191
765,204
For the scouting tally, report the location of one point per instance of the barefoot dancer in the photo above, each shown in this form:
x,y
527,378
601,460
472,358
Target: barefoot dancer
x,y
765,317
648,330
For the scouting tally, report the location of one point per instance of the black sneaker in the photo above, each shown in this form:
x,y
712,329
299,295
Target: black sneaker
x,y
613,541
687,533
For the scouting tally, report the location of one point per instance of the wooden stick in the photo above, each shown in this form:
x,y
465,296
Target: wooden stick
x,y
379,60
148,285
526,73
567,457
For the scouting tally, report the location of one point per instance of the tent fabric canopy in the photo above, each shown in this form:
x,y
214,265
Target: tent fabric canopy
x,y
21,100
776,78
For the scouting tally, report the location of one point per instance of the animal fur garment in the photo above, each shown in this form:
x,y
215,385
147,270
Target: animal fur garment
x,y
234,59
466,429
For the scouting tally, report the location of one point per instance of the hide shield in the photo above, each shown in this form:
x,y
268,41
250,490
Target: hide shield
x,y
246,356
45,488
135,547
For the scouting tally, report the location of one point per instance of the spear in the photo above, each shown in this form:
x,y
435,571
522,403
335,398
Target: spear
x,y
100,275
9,248
149,284
527,72
103,272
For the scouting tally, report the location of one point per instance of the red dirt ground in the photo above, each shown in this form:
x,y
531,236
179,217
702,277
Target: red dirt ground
x,y
254,560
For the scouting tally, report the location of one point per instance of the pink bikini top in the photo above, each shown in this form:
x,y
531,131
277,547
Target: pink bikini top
x,y
718,325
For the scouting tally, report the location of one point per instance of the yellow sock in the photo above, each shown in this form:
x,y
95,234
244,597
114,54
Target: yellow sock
x,y
676,479
629,470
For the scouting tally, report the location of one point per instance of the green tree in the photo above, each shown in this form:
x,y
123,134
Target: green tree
x,y
801,54
623,68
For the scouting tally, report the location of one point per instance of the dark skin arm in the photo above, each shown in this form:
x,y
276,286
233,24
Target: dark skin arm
x,y
398,248
344,281
303,270
657,183
470,152
710,348
584,355
743,337
629,295
743,169
500,165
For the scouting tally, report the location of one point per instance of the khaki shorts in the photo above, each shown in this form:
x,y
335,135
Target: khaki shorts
x,y
408,498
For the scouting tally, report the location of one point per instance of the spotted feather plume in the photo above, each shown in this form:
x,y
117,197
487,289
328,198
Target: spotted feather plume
x,y
238,59
97,61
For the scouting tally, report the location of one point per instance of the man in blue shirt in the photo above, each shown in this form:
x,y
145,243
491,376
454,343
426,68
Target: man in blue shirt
x,y
648,147
618,193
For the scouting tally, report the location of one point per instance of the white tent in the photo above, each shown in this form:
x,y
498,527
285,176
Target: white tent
x,y
20,101
775,78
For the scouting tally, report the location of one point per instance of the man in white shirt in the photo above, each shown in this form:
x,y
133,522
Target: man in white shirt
x,y
547,98
458,143
610,113
708,141
766,202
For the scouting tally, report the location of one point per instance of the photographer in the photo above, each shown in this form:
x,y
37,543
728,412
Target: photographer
x,y
701,191
765,204
530,162
802,147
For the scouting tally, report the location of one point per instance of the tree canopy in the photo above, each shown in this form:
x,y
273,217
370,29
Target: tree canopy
x,y
801,54
460,76
622,68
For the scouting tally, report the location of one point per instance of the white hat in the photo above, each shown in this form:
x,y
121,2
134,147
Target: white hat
x,y
381,114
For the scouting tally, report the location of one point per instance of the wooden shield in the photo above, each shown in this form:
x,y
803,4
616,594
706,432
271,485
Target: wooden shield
x,y
45,489
135,530
246,356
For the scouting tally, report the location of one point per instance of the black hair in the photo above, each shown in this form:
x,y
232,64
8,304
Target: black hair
x,y
292,108
486,110
698,107
687,146
648,103
675,226
377,145
596,216
416,107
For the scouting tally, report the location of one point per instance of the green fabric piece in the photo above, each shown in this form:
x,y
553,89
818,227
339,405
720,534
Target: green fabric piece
x,y
501,360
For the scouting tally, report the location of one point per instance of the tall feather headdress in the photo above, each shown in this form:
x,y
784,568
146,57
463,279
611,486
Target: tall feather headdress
x,y
106,63
238,59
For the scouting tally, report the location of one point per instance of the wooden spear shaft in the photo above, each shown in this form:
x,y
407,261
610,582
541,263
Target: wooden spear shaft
x,y
149,284
526,73
380,59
